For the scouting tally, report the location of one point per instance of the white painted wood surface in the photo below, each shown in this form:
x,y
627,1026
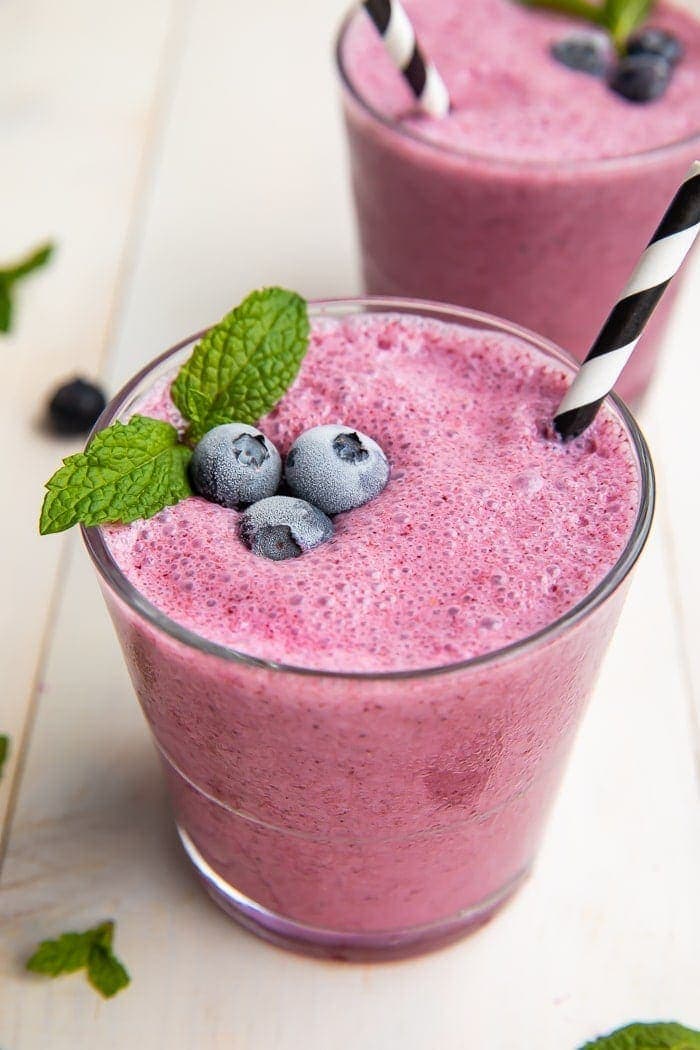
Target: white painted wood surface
x,y
182,153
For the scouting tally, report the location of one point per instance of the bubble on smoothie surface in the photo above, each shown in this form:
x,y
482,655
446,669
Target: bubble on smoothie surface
x,y
485,532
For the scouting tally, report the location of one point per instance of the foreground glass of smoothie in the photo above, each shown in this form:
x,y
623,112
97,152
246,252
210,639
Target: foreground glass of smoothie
x,y
362,744
535,197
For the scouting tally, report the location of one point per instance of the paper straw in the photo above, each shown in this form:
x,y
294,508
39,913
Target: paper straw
x,y
397,32
660,261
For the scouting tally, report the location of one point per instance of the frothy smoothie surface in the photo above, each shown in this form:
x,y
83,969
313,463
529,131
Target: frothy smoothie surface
x,y
510,98
486,532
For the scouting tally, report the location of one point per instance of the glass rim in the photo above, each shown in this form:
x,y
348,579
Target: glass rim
x,y
115,578
591,164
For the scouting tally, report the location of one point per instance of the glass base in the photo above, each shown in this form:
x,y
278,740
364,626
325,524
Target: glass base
x,y
337,944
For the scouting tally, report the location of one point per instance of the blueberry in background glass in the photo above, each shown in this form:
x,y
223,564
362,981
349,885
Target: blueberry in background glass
x,y
336,468
654,41
641,77
234,465
282,527
585,52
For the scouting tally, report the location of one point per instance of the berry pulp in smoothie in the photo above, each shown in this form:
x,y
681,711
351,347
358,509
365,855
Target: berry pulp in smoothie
x,y
535,196
374,788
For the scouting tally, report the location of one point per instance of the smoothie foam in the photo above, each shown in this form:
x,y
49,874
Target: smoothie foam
x,y
487,531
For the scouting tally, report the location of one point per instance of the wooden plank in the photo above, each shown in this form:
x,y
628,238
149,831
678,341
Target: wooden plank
x,y
79,98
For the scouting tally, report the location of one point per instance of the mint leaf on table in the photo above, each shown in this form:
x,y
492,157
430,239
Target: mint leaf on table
x,y
241,368
104,971
9,276
65,955
91,950
128,471
4,750
657,1035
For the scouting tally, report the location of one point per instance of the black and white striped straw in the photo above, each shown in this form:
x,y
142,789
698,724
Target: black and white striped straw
x,y
621,332
398,34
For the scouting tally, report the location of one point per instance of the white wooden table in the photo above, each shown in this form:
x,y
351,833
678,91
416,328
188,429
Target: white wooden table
x,y
182,153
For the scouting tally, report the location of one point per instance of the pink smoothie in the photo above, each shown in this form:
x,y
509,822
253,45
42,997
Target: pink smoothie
x,y
535,196
386,807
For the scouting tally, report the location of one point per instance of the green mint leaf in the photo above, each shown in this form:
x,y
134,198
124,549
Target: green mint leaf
x,y
659,1035
91,950
4,750
622,17
65,955
128,471
5,308
105,972
9,275
241,368
582,9
619,17
31,262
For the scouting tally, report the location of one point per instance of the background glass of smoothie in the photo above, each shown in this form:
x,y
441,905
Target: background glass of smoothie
x,y
363,743
535,197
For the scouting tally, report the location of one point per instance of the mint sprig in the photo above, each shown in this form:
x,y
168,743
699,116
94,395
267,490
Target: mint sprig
x,y
128,471
10,275
237,372
91,951
619,17
657,1035
241,368
4,750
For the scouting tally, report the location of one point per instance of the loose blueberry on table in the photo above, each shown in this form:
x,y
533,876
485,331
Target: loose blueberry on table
x,y
75,407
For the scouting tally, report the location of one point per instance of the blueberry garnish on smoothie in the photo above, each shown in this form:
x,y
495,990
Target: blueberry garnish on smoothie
x,y
236,374
282,527
646,55
336,468
235,465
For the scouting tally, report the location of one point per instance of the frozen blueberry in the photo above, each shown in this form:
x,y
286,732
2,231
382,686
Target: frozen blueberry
x,y
641,78
235,465
283,527
336,468
651,41
75,406
585,52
